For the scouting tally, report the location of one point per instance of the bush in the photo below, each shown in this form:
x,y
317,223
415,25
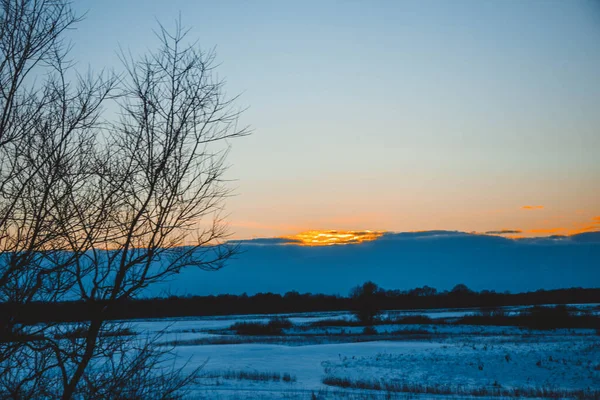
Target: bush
x,y
274,327
538,317
253,376
286,377
394,320
401,332
396,386
369,330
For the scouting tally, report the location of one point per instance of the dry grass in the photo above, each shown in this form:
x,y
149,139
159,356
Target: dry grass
x,y
256,376
79,333
274,327
495,391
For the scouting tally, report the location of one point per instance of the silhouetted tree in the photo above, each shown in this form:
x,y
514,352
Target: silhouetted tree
x,y
365,304
461,289
95,210
423,291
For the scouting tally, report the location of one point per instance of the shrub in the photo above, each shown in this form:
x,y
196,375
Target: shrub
x,y
253,376
274,327
401,332
286,377
369,330
496,390
538,317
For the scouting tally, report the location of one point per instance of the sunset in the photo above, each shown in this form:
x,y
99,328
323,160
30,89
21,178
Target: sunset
x,y
312,200
468,115
326,238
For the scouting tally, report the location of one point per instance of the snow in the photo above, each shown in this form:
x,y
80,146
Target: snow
x,y
455,355
462,356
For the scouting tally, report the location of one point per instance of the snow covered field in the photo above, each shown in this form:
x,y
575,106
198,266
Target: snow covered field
x,y
444,358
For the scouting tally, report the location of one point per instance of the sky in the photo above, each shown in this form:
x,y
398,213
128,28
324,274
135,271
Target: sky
x,y
474,115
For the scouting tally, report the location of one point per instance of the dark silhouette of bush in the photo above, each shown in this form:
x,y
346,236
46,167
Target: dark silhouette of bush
x,y
334,322
405,320
256,376
538,317
369,330
408,332
274,327
398,386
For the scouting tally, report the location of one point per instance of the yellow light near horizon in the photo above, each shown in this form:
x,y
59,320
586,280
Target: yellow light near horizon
x,y
328,238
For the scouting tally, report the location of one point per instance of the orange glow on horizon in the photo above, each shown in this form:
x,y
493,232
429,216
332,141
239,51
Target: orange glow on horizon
x,y
559,224
548,230
532,207
333,237
515,237
566,231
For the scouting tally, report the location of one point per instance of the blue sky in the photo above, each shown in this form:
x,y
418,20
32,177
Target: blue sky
x,y
394,115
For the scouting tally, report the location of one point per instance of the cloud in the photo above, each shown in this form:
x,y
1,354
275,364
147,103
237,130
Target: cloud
x,y
548,230
595,226
421,235
504,232
321,238
591,228
266,241
575,230
532,208
350,237
549,236
331,237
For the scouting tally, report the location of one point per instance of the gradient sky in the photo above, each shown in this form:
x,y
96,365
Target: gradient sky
x,y
394,115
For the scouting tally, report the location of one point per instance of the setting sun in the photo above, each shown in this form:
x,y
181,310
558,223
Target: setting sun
x,y
331,237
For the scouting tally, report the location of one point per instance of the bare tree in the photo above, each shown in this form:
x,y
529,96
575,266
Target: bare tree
x,y
98,210
45,123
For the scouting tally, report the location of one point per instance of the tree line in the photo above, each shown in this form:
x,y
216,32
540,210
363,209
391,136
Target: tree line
x,y
367,297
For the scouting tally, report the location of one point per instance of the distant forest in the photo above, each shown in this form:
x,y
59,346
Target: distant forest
x,y
292,302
